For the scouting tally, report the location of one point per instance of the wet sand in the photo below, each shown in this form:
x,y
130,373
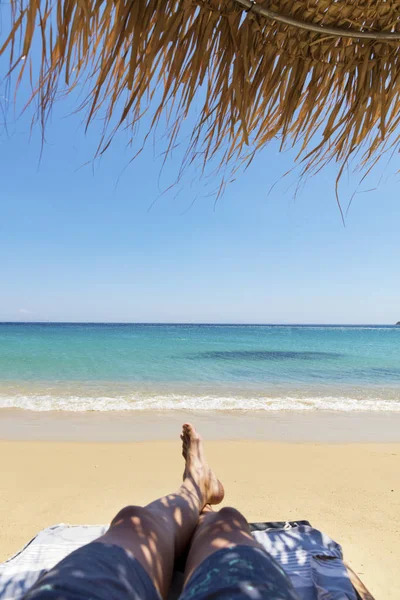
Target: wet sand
x,y
137,426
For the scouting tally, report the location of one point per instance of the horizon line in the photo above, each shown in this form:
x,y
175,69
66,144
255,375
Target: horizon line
x,y
161,323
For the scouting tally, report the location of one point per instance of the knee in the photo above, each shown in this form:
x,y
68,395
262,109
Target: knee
x,y
230,514
227,518
137,517
228,526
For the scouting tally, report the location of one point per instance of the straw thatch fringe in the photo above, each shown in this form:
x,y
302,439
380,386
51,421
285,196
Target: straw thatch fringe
x,y
337,97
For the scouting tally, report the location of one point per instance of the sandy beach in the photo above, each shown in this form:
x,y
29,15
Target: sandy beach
x,y
350,491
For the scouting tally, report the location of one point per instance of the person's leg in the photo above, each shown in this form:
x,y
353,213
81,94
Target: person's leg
x,y
152,536
216,530
225,561
159,532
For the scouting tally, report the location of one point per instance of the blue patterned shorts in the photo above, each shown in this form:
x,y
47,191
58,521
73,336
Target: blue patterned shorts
x,y
107,572
239,573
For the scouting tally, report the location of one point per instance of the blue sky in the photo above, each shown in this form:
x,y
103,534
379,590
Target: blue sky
x,y
99,243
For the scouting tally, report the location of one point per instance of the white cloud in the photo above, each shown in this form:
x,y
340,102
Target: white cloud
x,y
25,311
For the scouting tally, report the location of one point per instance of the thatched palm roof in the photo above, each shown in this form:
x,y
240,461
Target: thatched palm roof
x,y
321,73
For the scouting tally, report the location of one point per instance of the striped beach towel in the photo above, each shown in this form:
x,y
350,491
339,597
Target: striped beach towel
x,y
312,560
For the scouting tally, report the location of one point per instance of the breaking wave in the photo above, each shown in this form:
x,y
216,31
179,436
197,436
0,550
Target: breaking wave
x,y
168,402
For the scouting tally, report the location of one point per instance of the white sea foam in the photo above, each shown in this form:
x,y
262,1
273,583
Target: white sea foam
x,y
196,403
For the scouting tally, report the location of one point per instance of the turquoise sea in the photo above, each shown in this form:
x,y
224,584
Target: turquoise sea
x,y
101,367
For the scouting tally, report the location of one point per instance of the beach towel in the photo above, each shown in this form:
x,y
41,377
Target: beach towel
x,y
311,559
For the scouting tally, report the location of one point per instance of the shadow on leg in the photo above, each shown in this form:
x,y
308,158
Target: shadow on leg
x,y
216,530
226,562
148,538
159,533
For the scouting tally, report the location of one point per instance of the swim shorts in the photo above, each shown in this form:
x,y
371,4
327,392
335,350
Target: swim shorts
x,y
108,572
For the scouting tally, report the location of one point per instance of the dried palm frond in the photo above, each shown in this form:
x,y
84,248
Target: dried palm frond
x,y
256,77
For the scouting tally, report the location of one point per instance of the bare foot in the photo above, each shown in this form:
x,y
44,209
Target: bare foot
x,y
196,467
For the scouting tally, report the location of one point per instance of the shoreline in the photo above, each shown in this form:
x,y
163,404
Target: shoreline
x,y
127,397
142,426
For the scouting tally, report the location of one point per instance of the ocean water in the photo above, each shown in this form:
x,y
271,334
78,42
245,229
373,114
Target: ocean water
x,y
102,367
